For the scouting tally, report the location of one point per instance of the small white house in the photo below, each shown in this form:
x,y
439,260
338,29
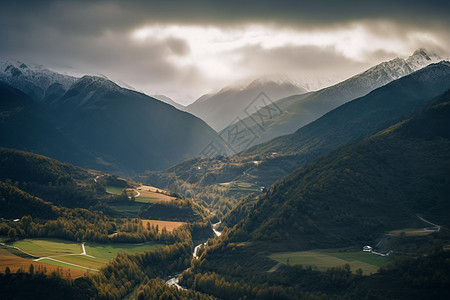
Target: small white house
x,y
367,248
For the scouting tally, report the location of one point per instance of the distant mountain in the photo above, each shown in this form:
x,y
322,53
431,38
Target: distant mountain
x,y
291,113
26,125
354,194
34,80
222,108
364,116
168,100
93,122
128,130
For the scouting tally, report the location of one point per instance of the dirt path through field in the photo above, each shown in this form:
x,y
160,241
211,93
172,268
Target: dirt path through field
x,y
274,268
66,263
52,257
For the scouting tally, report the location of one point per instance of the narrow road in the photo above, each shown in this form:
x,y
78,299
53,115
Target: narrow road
x,y
98,176
138,193
84,251
3,244
52,257
428,222
63,262
274,268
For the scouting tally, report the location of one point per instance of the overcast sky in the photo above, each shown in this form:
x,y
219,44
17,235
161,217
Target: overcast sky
x,y
184,49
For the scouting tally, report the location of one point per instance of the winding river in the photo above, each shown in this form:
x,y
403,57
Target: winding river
x,y
176,278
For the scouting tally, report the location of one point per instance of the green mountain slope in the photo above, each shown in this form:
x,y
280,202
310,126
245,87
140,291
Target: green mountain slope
x,y
16,203
22,166
46,178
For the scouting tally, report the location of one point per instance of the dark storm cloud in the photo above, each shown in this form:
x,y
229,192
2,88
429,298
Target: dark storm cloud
x,y
23,23
91,16
94,36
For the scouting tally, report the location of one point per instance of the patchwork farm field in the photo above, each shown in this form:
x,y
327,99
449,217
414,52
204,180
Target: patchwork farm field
x,y
369,263
114,190
142,194
48,247
412,232
148,194
15,263
53,253
109,251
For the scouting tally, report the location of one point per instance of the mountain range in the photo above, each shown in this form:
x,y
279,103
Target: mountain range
x,y
222,108
35,80
93,122
168,100
289,114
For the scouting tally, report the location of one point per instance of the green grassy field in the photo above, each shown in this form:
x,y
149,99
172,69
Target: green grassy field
x,y
61,264
114,190
361,256
16,252
145,199
368,262
109,251
83,260
128,208
48,247
68,252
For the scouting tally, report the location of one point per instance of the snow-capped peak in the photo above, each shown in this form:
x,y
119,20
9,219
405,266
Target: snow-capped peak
x,y
32,79
89,82
421,58
399,67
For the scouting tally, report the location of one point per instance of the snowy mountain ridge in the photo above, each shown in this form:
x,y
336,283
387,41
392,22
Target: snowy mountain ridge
x,y
399,67
33,79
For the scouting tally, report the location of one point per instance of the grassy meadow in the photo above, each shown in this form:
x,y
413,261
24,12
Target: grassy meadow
x,y
369,263
65,254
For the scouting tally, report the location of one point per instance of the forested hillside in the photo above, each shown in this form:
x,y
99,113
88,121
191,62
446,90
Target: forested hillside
x,y
354,194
